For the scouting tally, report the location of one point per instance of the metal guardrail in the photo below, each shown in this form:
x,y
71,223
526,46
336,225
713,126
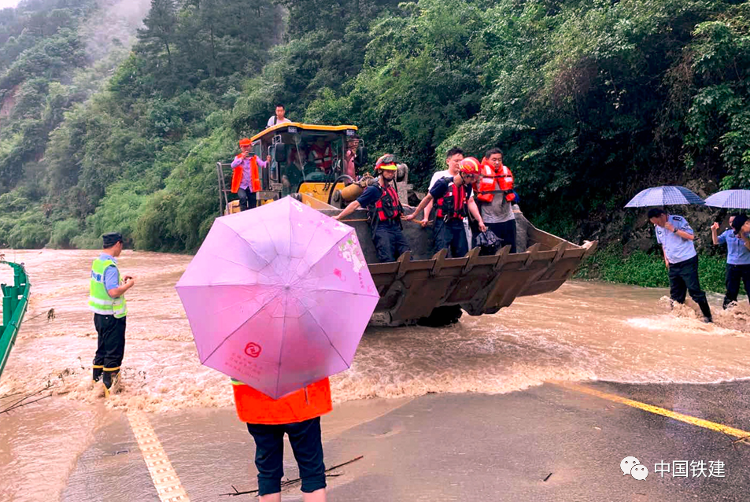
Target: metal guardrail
x,y
15,303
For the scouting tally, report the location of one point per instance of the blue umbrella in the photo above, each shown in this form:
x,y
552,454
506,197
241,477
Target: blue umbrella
x,y
730,199
664,196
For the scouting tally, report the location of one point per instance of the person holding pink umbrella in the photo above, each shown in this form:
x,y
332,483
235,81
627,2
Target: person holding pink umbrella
x,y
297,415
278,299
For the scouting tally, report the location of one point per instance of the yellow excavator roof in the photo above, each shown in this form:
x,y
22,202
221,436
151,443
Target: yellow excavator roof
x,y
307,127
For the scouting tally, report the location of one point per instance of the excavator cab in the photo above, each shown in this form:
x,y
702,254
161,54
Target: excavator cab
x,y
306,159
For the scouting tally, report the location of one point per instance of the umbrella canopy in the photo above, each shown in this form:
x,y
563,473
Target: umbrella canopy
x,y
730,199
278,297
664,196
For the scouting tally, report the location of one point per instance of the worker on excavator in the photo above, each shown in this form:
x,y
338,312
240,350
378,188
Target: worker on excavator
x,y
384,211
454,202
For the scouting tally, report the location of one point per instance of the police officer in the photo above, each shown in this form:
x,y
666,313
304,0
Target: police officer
x,y
737,240
454,202
676,238
107,301
384,211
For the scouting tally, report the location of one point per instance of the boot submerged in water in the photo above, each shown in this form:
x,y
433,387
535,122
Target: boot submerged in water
x,y
706,311
111,382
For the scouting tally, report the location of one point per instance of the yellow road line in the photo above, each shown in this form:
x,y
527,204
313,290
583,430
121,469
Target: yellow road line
x,y
167,484
706,424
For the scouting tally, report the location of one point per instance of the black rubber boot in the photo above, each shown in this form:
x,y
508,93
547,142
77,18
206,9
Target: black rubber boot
x,y
706,310
111,382
98,370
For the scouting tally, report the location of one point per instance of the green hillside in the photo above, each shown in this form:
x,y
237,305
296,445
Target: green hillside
x,y
590,100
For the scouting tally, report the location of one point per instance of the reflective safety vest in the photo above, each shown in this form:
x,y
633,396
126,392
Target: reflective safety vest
x,y
387,208
99,300
453,204
254,175
500,179
322,157
254,407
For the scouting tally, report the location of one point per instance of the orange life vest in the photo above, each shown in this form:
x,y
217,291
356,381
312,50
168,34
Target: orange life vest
x,y
254,175
322,157
254,407
492,179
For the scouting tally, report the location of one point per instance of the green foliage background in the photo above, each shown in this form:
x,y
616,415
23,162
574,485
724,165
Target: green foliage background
x,y
590,101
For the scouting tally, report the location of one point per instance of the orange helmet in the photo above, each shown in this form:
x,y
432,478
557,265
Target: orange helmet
x,y
245,142
387,162
469,165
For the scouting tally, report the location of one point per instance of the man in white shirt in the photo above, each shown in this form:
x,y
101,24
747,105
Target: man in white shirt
x,y
279,118
453,159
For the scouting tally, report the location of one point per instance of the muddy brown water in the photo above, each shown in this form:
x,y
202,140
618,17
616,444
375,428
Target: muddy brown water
x,y
584,331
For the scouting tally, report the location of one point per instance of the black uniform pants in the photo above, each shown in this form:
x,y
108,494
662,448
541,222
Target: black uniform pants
x,y
247,199
683,277
111,344
307,447
389,241
451,235
735,275
506,232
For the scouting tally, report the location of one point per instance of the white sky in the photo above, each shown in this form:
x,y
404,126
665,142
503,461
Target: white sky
x,y
8,3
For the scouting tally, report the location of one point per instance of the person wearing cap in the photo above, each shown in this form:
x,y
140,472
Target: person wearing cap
x,y
737,240
454,201
676,238
384,211
246,175
107,300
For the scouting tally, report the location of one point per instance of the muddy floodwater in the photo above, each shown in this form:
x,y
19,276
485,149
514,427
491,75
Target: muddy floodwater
x,y
584,331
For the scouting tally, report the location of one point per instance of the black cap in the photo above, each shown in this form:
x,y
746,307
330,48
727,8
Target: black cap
x,y
111,239
737,223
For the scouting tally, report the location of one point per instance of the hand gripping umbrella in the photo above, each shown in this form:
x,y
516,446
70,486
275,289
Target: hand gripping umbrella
x,y
730,199
664,196
278,297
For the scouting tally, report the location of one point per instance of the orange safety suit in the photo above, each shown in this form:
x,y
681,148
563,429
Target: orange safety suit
x,y
254,175
254,407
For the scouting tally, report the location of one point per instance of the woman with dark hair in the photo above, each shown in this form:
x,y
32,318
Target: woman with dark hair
x,y
737,240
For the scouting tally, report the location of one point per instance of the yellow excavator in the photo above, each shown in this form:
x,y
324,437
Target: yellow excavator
x,y
309,161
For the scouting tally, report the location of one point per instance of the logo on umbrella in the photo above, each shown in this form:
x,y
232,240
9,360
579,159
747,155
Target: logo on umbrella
x,y
253,349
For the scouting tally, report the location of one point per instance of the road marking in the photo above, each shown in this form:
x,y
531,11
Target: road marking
x,y
706,424
165,479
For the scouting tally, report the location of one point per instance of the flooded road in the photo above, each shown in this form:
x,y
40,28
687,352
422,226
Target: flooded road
x,y
584,331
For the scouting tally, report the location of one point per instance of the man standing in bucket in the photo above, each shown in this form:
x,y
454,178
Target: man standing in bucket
x,y
385,212
107,301
298,416
246,175
676,238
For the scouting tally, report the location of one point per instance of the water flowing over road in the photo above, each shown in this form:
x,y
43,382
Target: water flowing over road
x,y
584,331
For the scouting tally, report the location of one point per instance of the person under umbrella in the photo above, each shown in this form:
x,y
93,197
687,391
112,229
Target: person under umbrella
x,y
676,238
737,240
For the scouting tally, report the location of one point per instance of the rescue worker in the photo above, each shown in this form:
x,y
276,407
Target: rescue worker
x,y
676,238
737,240
107,301
246,175
321,154
298,416
495,197
452,196
384,210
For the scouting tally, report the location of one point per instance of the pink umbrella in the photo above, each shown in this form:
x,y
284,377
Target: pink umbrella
x,y
278,297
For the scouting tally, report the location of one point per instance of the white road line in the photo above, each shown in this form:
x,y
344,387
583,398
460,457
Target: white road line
x,y
167,483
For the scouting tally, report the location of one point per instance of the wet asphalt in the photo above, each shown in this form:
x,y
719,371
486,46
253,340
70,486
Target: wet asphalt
x,y
547,443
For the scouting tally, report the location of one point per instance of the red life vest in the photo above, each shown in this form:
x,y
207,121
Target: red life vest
x,y
254,175
322,157
453,204
494,179
387,208
254,407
